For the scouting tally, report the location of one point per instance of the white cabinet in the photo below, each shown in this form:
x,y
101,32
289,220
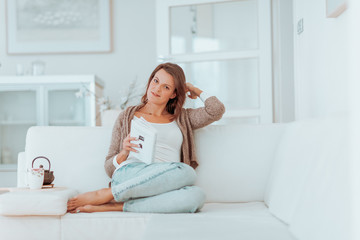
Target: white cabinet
x,y
43,101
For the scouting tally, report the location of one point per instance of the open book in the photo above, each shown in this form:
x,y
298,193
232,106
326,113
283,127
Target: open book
x,y
146,135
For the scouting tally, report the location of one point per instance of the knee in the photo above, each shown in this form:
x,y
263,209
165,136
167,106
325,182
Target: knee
x,y
187,172
195,197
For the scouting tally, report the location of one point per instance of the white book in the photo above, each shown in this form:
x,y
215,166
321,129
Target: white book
x,y
146,135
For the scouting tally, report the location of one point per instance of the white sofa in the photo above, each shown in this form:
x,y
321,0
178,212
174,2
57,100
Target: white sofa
x,y
263,182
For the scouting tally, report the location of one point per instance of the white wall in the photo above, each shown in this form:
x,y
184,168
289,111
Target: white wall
x,y
134,49
134,54
8,179
320,61
354,104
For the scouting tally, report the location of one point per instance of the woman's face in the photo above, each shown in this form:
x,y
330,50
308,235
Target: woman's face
x,y
161,88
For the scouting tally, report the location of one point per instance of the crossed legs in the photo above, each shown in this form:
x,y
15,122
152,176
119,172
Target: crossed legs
x,y
145,188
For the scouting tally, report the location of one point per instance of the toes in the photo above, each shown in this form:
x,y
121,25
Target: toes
x,y
77,210
73,199
83,209
70,206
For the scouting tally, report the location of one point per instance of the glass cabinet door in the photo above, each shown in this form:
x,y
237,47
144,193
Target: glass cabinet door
x,y
67,107
18,112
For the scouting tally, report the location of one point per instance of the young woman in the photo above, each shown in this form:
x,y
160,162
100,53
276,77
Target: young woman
x,y
166,185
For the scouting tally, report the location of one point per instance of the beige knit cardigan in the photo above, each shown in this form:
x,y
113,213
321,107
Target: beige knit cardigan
x,y
188,120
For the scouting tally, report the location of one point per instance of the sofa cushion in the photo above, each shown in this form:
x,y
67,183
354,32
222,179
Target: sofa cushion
x,y
215,221
235,160
35,202
104,225
30,228
219,221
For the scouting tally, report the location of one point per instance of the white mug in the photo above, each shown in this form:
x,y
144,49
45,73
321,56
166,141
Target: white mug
x,y
35,178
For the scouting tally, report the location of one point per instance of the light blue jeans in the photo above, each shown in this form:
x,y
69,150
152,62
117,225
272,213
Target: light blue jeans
x,y
157,188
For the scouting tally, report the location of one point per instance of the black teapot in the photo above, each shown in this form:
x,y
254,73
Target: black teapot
x,y
48,175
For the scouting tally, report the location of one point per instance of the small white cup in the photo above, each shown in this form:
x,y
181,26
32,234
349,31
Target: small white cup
x,y
35,178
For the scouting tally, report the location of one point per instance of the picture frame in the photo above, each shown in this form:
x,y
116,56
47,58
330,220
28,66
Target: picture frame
x,y
335,8
48,27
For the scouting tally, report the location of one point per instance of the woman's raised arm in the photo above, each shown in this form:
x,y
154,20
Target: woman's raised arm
x,y
212,111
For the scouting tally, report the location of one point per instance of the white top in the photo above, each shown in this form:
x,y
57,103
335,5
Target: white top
x,y
168,142
167,147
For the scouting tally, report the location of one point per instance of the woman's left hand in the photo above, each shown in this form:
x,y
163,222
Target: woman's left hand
x,y
194,92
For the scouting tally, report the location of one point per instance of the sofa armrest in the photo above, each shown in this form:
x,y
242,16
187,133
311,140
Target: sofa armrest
x,y
21,170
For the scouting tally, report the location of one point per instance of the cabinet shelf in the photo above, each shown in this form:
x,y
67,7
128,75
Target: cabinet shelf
x,y
67,123
5,123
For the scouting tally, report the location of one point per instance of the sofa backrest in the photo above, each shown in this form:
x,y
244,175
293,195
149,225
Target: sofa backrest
x,y
77,154
309,187
234,160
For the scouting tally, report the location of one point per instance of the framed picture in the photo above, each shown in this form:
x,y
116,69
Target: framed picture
x,y
43,26
335,7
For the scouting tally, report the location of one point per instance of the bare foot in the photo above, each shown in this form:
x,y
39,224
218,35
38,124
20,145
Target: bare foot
x,y
100,208
86,208
90,198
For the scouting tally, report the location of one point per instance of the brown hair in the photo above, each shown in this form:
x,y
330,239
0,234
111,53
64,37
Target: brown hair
x,y
174,105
